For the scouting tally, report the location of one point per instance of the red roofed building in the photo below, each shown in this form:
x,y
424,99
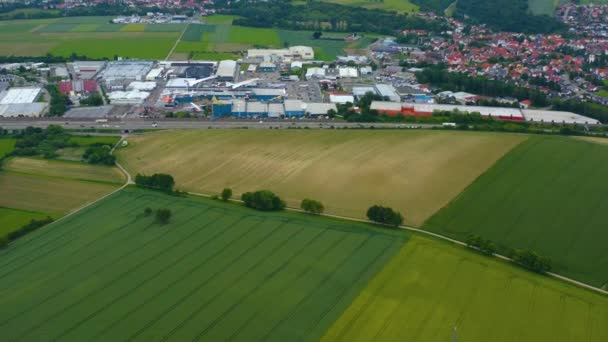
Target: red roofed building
x,y
65,87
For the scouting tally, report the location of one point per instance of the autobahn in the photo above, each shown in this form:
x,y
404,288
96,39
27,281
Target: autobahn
x,y
132,124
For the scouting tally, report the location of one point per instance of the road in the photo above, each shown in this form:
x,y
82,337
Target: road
x,y
138,124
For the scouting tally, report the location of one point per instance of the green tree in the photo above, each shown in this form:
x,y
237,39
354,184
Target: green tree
x,y
264,200
94,100
226,194
163,215
312,206
147,211
158,181
384,215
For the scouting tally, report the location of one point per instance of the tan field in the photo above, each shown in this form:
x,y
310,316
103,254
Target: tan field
x,y
54,187
416,172
67,170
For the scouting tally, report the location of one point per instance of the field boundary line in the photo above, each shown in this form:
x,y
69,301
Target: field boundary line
x,y
435,235
179,39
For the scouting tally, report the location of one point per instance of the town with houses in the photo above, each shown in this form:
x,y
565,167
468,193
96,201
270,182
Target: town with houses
x,y
291,83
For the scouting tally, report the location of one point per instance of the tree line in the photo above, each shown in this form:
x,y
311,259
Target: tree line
x,y
59,102
157,181
28,228
590,109
525,258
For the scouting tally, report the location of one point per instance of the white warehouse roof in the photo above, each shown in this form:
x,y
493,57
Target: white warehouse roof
x,y
348,72
226,68
22,109
558,117
319,108
387,90
20,95
129,97
146,86
485,111
315,72
339,98
180,82
154,74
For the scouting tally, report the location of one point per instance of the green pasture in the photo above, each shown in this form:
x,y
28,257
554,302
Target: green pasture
x,y
13,219
324,49
6,146
546,7
254,36
86,140
549,195
217,271
435,291
387,5
96,37
220,19
139,45
91,36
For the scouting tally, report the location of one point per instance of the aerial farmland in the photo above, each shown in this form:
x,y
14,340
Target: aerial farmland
x,y
290,170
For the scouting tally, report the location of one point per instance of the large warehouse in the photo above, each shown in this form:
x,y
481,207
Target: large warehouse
x,y
21,102
20,95
512,114
291,53
118,72
226,70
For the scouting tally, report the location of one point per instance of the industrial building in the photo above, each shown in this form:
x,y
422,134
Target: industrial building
x,y
289,54
19,95
348,72
226,70
117,73
547,116
86,70
252,94
141,86
21,102
22,109
502,113
341,98
267,67
128,97
77,87
294,108
312,73
388,92
240,108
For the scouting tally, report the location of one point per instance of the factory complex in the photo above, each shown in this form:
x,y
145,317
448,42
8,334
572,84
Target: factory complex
x,y
265,83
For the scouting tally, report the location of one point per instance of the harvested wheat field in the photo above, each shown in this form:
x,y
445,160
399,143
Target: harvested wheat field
x,y
416,172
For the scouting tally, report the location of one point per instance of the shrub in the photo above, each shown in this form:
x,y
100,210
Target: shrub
x,y
163,216
312,206
486,247
99,154
384,215
226,194
147,211
157,181
30,227
532,261
264,200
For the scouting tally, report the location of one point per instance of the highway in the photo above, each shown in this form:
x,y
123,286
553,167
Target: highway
x,y
128,125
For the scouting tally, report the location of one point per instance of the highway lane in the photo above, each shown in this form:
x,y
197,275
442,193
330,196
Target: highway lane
x,y
138,124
